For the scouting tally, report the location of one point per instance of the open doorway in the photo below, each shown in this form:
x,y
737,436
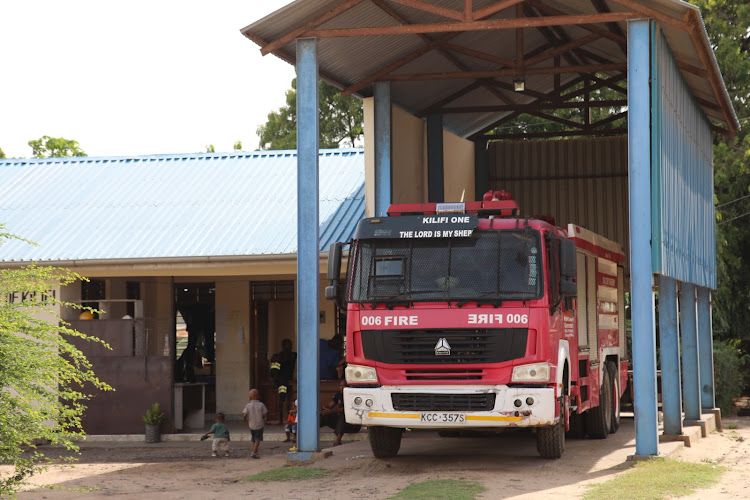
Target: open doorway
x,y
195,338
273,321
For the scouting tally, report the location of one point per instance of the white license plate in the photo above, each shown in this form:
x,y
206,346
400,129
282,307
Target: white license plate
x,y
442,418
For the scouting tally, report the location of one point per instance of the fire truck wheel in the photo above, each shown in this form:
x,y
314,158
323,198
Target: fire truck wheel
x,y
384,441
599,418
550,441
615,377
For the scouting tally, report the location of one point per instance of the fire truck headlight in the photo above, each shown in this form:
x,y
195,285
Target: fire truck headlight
x,y
356,374
531,373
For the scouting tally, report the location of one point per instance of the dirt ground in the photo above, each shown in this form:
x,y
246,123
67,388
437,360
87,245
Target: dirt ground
x,y
507,465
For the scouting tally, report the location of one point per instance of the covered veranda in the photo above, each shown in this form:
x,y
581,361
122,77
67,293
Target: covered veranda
x,y
438,79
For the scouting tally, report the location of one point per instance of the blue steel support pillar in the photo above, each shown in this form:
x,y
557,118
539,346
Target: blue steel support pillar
x,y
382,94
706,348
308,246
669,341
435,182
639,181
690,373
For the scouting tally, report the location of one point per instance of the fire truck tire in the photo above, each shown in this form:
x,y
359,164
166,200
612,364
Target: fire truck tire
x,y
550,441
384,441
599,418
615,377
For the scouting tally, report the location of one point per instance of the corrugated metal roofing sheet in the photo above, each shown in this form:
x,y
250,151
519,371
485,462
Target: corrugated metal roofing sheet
x,y
346,61
160,206
579,181
682,192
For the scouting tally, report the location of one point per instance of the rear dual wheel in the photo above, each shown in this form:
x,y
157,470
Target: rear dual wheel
x,y
599,418
615,380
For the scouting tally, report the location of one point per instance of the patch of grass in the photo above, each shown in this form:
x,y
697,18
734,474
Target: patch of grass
x,y
656,480
731,426
735,437
441,489
287,474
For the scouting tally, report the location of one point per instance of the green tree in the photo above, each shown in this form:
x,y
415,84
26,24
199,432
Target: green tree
x,y
44,378
526,123
237,146
341,120
726,22
55,147
210,148
2,153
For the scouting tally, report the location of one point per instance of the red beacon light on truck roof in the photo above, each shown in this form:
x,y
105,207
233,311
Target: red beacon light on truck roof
x,y
546,218
494,203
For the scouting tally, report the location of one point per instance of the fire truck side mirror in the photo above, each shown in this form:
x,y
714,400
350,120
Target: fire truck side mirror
x,y
568,288
332,292
567,259
334,262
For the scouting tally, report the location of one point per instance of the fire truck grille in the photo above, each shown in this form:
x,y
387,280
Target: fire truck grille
x,y
442,402
444,347
436,374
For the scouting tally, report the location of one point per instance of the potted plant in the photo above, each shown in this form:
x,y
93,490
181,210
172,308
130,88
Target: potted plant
x,y
153,419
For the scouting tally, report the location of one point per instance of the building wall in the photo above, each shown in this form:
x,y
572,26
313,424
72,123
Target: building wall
x,y
157,309
458,168
115,288
409,160
232,345
579,181
233,323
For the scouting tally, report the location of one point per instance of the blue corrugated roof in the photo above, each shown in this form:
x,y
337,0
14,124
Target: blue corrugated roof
x,y
163,206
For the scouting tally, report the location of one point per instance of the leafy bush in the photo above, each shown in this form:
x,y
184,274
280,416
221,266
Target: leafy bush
x,y
728,368
154,415
45,380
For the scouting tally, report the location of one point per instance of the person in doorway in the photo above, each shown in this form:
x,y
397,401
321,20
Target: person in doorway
x,y
254,415
285,362
329,352
333,416
221,436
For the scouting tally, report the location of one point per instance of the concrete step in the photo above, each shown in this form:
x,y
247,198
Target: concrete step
x,y
693,430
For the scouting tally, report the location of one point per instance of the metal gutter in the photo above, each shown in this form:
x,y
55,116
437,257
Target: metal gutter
x,y
219,259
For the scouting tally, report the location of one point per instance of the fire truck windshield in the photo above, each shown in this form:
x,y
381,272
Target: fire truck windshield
x,y
489,265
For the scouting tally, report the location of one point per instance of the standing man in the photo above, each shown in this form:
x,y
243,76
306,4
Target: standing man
x,y
287,360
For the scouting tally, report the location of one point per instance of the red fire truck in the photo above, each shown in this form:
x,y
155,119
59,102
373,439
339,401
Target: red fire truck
x,y
467,316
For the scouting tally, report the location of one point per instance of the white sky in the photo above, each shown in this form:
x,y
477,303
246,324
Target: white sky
x,y
135,77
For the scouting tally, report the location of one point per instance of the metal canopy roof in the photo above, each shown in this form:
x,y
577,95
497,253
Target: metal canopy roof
x,y
470,52
157,207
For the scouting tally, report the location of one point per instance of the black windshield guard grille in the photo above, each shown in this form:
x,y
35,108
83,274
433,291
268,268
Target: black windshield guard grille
x,y
443,402
445,347
491,266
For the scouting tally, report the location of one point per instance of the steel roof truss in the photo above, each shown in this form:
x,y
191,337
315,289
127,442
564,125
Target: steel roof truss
x,y
490,24
602,7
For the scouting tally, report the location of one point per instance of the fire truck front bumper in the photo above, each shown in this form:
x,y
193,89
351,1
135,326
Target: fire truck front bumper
x,y
440,407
